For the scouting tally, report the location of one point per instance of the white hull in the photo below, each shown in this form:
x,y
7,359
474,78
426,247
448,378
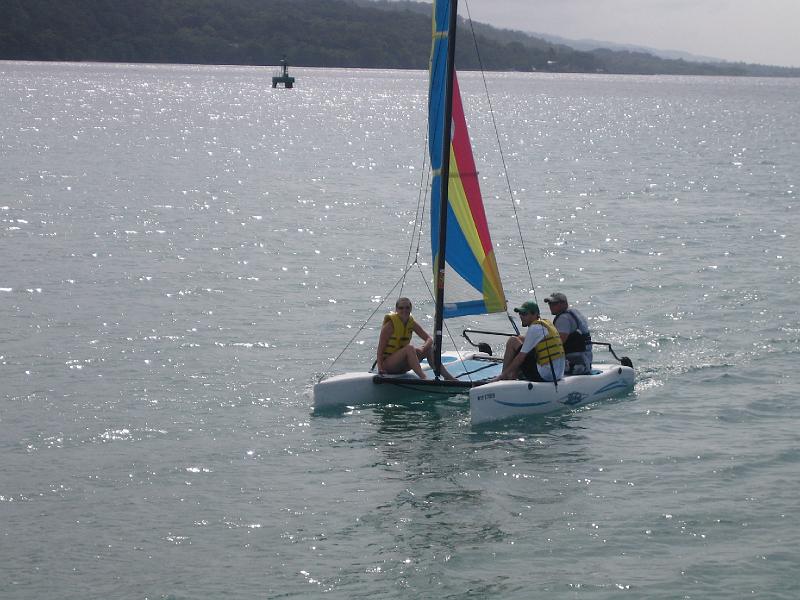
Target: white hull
x,y
489,401
354,389
508,399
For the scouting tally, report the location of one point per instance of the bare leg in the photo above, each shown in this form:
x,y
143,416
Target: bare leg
x,y
445,373
513,346
413,361
403,360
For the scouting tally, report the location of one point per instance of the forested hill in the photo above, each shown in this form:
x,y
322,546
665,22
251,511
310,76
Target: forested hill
x,y
323,33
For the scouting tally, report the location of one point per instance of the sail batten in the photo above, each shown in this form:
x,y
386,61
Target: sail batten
x,y
469,251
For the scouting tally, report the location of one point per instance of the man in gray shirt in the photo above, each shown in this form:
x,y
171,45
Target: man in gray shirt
x,y
575,335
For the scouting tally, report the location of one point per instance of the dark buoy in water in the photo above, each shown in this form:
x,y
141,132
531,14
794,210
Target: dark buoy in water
x,y
283,76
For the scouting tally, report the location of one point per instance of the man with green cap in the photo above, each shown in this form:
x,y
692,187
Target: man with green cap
x,y
539,354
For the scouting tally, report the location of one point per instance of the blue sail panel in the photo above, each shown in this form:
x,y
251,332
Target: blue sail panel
x,y
469,251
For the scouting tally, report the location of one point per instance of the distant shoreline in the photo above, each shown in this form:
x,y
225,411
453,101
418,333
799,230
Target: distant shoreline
x,y
409,69
310,33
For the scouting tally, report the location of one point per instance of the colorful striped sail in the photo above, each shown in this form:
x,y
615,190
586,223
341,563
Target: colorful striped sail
x,y
469,249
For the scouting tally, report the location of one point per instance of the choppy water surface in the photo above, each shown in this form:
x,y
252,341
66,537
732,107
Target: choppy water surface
x,y
186,250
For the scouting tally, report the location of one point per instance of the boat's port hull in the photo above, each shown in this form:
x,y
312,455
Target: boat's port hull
x,y
354,389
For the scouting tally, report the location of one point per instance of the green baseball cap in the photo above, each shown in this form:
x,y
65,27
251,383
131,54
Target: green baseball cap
x,y
528,307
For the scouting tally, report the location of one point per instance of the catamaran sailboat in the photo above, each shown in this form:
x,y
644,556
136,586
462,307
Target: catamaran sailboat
x,y
462,250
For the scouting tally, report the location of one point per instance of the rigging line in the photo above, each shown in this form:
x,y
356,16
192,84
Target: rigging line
x,y
500,148
419,220
484,367
444,322
422,215
419,216
425,281
424,200
436,56
364,324
427,174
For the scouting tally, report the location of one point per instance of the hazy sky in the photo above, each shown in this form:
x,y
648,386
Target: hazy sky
x,y
758,31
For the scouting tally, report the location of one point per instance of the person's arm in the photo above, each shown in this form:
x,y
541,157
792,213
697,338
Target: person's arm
x,y
424,335
561,324
383,340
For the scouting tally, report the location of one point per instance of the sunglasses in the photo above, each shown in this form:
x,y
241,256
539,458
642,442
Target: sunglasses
x,y
404,307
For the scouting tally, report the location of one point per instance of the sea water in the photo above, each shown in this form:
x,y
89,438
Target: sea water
x,y
187,250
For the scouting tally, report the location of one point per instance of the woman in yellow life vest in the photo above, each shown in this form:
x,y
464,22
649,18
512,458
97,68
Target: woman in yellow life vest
x,y
396,354
539,354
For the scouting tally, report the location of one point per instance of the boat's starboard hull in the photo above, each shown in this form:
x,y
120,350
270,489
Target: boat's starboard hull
x,y
508,399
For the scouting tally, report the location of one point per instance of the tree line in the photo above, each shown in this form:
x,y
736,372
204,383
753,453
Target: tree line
x,y
320,33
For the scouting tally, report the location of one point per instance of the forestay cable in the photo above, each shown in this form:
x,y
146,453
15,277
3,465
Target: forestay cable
x,y
364,324
500,148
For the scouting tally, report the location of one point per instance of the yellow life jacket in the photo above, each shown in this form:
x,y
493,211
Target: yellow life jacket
x,y
550,347
402,333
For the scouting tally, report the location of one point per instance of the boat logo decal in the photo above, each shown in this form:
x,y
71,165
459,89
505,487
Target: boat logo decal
x,y
575,398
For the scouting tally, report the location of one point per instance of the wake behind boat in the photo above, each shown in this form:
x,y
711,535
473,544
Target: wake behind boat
x,y
464,259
